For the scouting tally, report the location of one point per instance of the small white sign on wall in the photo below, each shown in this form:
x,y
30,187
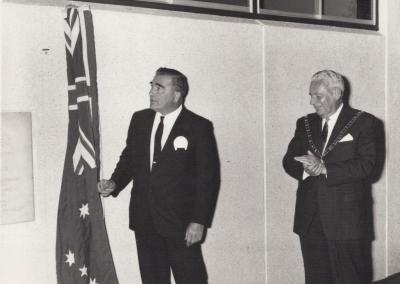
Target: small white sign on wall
x,y
16,192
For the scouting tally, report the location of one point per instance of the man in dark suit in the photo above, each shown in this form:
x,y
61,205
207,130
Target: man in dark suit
x,y
332,155
171,156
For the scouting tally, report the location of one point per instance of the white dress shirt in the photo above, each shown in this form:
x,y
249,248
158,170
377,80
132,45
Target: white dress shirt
x,y
169,121
331,124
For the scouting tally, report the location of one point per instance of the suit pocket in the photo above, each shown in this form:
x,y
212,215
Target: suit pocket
x,y
345,142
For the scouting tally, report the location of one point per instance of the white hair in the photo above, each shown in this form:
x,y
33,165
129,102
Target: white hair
x,y
330,78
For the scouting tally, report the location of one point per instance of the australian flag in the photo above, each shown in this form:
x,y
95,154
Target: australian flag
x,y
83,253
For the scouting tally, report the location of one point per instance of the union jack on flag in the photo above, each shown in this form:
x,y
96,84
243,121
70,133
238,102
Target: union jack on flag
x,y
83,253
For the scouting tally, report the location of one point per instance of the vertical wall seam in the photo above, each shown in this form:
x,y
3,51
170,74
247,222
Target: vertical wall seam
x,y
264,152
387,148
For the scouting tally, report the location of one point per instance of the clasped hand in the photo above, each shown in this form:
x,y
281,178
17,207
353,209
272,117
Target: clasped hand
x,y
312,165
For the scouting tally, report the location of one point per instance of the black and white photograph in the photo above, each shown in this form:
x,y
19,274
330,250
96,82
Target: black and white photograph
x,y
200,142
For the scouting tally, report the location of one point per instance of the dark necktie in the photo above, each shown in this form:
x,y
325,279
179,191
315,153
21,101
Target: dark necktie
x,y
157,140
324,134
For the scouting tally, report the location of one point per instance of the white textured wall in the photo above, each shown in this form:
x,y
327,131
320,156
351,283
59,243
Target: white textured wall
x,y
222,62
35,81
226,67
393,118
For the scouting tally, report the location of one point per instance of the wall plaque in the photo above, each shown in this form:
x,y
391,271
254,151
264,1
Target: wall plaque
x,y
16,192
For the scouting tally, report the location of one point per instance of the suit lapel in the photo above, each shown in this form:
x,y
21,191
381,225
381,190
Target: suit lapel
x,y
175,129
148,128
344,117
169,147
316,125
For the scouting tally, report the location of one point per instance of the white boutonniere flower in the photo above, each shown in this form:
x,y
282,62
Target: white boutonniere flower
x,y
180,142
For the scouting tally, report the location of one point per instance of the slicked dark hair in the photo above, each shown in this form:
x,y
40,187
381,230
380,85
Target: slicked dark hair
x,y
179,80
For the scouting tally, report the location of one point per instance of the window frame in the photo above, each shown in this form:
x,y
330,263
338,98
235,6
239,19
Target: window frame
x,y
252,11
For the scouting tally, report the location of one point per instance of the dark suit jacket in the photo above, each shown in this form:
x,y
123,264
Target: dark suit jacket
x,y
183,187
342,195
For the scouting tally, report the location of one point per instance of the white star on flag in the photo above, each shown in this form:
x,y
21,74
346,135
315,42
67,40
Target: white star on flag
x,y
93,281
83,271
70,258
84,210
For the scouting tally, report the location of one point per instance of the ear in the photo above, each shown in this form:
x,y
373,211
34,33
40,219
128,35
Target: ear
x,y
177,96
337,93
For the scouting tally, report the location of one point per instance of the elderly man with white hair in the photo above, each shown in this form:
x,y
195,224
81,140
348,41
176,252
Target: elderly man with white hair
x,y
332,156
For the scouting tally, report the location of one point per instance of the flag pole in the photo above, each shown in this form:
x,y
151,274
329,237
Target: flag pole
x,y
103,203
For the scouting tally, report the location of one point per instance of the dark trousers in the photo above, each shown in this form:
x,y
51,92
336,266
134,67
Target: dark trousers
x,y
334,262
158,255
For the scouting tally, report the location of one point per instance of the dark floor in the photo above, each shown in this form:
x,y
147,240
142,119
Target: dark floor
x,y
393,279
